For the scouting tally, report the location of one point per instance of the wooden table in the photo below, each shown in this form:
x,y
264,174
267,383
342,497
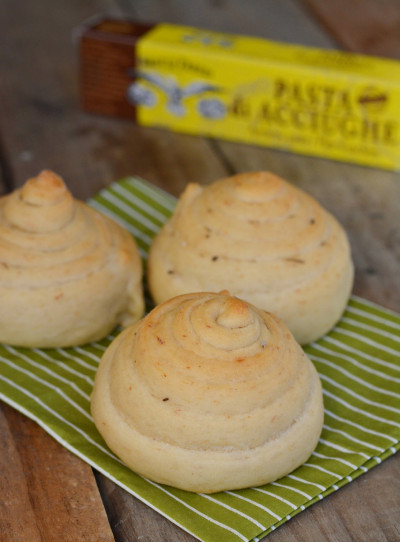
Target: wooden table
x,y
46,492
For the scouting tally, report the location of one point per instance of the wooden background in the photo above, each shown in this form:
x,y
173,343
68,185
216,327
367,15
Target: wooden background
x,y
47,493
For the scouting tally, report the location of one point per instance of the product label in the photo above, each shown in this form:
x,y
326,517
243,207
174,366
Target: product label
x,y
264,93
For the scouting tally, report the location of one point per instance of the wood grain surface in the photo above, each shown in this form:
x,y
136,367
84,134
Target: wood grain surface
x,y
34,468
42,126
361,26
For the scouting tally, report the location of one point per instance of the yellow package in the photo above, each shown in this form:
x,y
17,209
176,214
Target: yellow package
x,y
330,104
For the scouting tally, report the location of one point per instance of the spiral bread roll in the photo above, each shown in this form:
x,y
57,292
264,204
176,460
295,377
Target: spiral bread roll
x,y
208,393
266,241
68,274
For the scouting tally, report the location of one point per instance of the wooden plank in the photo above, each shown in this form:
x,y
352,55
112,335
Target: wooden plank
x,y
48,494
41,123
44,127
285,20
362,26
133,520
354,513
6,183
3,188
17,517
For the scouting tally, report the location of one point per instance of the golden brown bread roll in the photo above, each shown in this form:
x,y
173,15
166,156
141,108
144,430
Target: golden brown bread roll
x,y
68,274
264,240
208,393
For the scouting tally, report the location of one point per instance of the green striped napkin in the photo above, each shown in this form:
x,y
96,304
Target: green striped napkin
x,y
358,363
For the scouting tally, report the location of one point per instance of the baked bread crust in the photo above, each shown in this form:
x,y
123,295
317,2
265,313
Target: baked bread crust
x,y
266,241
68,274
208,393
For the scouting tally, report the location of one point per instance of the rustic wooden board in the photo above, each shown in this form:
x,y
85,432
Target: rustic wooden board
x,y
133,520
48,494
353,514
41,123
285,20
362,26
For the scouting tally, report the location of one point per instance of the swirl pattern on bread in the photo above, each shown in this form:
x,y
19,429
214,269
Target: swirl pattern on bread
x,y
266,241
208,393
68,274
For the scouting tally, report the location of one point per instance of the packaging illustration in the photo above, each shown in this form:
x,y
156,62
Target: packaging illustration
x,y
330,104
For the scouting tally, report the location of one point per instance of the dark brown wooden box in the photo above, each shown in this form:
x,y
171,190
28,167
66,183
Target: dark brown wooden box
x,y
106,65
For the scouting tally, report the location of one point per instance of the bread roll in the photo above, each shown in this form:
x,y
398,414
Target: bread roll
x,y
68,274
265,241
208,393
